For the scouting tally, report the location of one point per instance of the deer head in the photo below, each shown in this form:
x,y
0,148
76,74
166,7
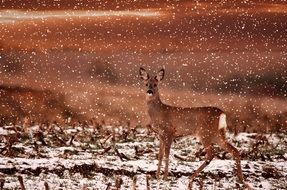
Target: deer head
x,y
151,83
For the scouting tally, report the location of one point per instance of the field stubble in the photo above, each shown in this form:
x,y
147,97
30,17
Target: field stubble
x,y
94,156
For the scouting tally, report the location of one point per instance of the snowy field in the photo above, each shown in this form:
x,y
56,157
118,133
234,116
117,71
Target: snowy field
x,y
97,157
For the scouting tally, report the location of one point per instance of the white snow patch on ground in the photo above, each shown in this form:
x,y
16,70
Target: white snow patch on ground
x,y
86,164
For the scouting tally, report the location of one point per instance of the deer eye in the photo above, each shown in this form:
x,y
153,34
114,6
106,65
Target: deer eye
x,y
146,84
155,85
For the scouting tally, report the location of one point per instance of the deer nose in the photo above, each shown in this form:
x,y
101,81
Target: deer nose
x,y
149,92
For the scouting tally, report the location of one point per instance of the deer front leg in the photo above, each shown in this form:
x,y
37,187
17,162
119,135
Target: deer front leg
x,y
167,147
160,156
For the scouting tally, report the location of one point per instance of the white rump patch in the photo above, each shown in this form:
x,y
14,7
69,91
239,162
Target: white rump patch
x,y
222,121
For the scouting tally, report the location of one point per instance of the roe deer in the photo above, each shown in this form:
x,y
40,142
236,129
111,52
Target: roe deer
x,y
208,124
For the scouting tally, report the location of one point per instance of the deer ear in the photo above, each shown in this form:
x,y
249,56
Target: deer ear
x,y
143,74
160,75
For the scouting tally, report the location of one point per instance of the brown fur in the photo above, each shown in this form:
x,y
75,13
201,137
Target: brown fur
x,y
171,122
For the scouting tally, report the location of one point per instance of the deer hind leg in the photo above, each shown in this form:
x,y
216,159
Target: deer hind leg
x,y
236,155
209,156
160,156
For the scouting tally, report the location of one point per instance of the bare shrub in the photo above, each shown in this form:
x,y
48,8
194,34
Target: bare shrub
x,y
102,70
10,64
39,106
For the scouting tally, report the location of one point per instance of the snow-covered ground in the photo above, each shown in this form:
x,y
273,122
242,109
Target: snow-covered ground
x,y
84,157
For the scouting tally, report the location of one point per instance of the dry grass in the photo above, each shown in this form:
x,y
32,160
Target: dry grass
x,y
118,104
108,89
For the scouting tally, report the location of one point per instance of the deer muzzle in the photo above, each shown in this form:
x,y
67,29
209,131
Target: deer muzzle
x,y
149,92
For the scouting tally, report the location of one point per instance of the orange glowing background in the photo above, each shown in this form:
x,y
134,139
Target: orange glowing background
x,y
204,45
204,38
144,25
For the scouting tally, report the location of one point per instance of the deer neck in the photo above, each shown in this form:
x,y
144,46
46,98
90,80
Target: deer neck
x,y
155,108
154,101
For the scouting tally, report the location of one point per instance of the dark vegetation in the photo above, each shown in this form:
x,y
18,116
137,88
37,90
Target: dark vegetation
x,y
20,103
11,63
269,84
103,71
